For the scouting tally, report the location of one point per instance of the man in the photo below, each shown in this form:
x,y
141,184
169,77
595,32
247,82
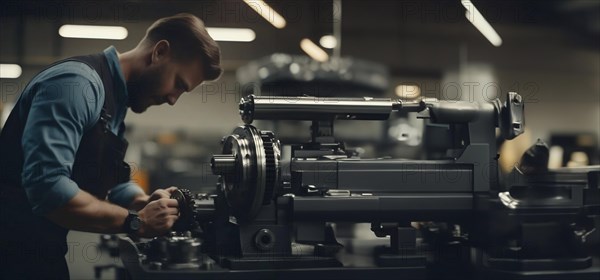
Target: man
x,y
61,151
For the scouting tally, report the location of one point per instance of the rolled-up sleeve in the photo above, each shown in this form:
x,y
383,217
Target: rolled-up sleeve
x,y
123,194
66,103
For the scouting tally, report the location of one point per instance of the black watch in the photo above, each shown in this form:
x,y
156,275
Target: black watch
x,y
133,223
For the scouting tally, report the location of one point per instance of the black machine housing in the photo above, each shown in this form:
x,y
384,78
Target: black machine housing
x,y
291,216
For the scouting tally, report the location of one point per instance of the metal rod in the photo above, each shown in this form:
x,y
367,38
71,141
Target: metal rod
x,y
314,108
222,164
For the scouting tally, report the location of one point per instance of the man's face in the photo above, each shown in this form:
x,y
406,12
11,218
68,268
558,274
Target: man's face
x,y
162,81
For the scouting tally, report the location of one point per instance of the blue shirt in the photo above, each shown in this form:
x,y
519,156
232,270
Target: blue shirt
x,y
66,101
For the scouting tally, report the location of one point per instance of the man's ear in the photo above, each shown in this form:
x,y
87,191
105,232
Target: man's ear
x,y
161,51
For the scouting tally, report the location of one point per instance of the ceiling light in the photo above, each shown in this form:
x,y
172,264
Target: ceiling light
x,y
93,32
264,10
10,71
328,42
477,19
231,34
310,48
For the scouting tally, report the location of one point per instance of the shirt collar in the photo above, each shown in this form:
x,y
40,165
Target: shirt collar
x,y
117,74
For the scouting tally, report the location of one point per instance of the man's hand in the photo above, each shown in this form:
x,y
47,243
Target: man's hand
x,y
161,193
142,199
158,217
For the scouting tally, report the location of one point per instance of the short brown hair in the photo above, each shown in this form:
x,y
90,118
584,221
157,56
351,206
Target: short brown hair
x,y
188,38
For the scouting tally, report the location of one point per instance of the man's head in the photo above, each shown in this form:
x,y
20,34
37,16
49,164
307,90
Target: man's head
x,y
178,55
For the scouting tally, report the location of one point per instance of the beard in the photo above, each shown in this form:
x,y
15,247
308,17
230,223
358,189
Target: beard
x,y
142,90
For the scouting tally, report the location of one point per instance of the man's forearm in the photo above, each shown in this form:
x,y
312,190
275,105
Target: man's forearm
x,y
85,212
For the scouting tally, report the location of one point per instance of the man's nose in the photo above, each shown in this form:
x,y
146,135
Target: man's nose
x,y
172,98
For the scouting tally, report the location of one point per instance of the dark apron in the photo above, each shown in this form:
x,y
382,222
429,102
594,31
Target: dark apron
x,y
31,246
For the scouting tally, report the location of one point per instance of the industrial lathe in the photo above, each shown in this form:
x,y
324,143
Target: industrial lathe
x,y
296,210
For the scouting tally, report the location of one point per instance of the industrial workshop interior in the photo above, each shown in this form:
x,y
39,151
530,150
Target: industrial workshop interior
x,y
319,139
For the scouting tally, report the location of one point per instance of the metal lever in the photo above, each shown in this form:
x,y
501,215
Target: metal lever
x,y
512,117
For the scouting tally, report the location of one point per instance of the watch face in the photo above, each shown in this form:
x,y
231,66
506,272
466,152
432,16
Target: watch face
x,y
135,224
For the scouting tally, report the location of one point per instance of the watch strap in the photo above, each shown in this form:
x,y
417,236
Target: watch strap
x,y
131,217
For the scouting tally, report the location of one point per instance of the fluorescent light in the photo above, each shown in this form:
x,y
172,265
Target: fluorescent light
x,y
10,71
264,10
231,34
93,32
477,19
408,91
310,48
328,42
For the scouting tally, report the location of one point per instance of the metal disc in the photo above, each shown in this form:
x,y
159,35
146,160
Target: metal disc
x,y
245,188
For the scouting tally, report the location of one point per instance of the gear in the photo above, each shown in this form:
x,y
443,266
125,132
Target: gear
x,y
249,170
272,156
185,205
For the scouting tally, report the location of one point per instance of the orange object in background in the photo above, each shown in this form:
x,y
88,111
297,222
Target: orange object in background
x,y
167,138
140,177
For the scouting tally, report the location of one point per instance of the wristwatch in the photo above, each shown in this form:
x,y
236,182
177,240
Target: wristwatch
x,y
132,223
